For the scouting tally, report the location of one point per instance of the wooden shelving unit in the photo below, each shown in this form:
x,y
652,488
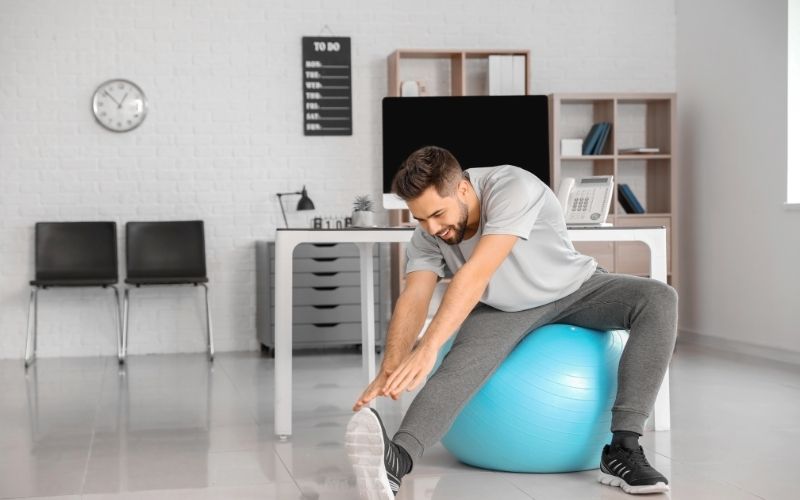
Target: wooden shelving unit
x,y
459,67
637,120
466,70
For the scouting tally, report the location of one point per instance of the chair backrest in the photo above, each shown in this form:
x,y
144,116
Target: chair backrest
x,y
165,249
76,250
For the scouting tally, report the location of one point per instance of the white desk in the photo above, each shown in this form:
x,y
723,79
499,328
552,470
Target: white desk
x,y
287,239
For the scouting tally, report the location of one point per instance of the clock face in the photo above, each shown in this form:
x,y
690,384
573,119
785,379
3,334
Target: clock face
x,y
119,105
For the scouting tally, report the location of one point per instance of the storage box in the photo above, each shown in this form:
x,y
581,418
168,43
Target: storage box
x,y
571,147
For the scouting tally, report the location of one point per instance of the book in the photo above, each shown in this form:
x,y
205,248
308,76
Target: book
x,y
591,139
601,142
500,75
623,200
494,75
634,202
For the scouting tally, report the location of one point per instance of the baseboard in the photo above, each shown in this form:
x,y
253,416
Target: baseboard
x,y
739,347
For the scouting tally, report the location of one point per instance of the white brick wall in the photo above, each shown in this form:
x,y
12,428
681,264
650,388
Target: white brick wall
x,y
224,130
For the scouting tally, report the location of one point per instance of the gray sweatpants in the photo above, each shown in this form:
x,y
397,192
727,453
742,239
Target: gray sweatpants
x,y
645,307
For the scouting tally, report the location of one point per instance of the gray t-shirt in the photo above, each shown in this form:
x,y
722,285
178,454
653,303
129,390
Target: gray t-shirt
x,y
542,267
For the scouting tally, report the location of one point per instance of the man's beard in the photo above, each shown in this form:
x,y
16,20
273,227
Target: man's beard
x,y
461,226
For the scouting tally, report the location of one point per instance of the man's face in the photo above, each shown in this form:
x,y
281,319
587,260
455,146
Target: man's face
x,y
442,217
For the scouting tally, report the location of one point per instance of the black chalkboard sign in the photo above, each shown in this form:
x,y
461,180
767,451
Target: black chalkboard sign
x,y
327,89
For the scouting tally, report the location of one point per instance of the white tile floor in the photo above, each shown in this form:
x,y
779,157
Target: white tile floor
x,y
172,426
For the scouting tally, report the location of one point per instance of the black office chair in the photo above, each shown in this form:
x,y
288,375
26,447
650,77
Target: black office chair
x,y
72,254
165,253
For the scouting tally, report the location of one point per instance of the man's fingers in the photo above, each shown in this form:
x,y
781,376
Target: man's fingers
x,y
368,395
395,391
361,402
392,378
390,389
397,375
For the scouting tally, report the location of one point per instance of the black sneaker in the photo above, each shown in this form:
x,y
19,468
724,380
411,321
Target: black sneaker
x,y
378,463
630,470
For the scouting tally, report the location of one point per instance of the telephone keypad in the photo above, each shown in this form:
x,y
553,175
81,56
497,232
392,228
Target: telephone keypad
x,y
580,203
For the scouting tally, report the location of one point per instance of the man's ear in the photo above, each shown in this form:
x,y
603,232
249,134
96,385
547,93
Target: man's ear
x,y
463,187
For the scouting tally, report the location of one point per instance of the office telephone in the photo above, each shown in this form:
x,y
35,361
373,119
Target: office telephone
x,y
586,201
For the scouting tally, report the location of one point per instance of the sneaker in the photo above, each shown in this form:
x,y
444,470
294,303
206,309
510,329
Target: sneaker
x,y
630,470
377,462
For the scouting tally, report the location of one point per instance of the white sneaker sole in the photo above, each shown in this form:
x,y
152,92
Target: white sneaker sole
x,y
364,444
610,480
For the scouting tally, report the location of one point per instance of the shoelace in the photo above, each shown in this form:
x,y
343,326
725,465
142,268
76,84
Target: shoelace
x,y
637,457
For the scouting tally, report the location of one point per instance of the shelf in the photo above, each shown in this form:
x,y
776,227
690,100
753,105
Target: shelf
x,y
646,214
647,275
457,59
619,157
638,119
444,53
645,157
426,54
587,157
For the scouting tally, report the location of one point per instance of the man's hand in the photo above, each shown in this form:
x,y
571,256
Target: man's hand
x,y
411,372
373,390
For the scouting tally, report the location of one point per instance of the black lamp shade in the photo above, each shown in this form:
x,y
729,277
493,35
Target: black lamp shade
x,y
305,202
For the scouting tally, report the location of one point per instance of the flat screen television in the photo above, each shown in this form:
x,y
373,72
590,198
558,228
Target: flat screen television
x,y
480,131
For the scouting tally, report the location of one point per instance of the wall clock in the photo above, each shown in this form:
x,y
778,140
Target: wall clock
x,y
119,105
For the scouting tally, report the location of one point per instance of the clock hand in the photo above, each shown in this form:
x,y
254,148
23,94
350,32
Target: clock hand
x,y
119,106
110,96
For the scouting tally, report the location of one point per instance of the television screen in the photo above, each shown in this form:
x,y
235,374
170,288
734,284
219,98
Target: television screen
x,y
480,131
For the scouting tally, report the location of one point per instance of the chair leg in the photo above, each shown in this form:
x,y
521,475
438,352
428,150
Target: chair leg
x,y
36,323
209,330
30,337
125,316
119,325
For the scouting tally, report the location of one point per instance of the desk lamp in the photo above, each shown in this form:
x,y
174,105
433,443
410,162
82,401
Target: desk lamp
x,y
305,202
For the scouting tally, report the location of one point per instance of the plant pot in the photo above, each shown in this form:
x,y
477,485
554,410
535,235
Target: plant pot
x,y
363,218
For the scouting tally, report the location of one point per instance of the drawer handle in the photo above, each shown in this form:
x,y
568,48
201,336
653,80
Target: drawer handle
x,y
324,274
324,259
326,307
324,244
325,325
324,288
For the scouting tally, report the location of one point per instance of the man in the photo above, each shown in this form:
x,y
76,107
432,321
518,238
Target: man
x,y
502,232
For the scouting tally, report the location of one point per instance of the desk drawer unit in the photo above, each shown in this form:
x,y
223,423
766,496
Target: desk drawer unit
x,y
326,295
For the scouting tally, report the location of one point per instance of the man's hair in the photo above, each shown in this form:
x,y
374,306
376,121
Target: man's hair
x,y
426,167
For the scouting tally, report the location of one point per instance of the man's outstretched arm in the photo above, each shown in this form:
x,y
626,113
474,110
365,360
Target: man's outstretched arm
x,y
407,319
462,295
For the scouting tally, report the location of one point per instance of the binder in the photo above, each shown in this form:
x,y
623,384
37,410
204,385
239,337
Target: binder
x,y
634,202
623,200
601,142
494,75
591,139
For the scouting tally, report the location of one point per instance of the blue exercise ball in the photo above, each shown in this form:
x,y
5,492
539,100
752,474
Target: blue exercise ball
x,y
547,408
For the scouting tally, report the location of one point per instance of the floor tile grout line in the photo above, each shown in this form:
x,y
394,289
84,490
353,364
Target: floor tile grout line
x,y
94,427
286,468
515,485
272,445
239,396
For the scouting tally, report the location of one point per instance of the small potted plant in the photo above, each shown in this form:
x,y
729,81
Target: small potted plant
x,y
363,216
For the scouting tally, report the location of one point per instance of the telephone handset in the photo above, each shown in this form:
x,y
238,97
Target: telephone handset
x,y
586,201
